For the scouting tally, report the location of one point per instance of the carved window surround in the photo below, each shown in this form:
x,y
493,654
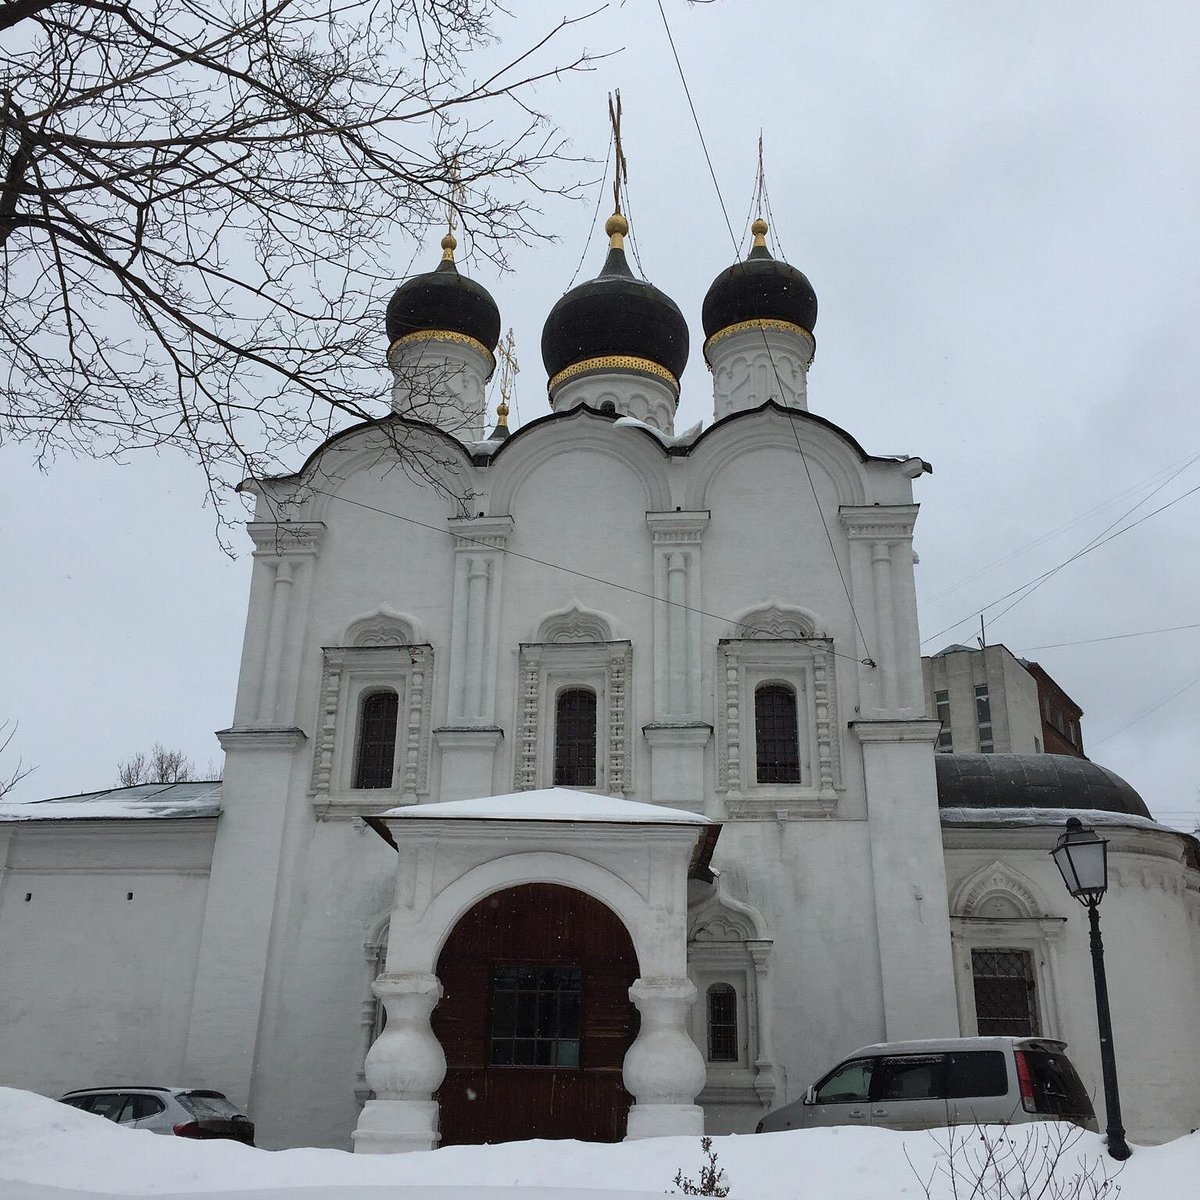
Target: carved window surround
x,y
349,673
807,665
547,668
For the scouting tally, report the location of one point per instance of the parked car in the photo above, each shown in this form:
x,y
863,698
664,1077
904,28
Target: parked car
x,y
184,1112
932,1084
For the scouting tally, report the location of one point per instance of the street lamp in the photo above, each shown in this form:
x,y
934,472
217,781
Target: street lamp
x,y
1082,860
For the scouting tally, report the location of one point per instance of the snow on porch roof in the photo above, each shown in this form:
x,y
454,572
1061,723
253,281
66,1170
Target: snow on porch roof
x,y
552,804
194,798
559,804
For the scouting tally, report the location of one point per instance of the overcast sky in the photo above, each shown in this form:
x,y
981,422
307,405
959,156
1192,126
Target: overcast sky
x,y
997,207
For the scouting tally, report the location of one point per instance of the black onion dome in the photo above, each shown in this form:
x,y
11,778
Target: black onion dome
x,y
988,781
761,288
615,314
444,300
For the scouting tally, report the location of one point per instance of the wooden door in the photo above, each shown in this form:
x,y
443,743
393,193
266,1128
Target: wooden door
x,y
535,1019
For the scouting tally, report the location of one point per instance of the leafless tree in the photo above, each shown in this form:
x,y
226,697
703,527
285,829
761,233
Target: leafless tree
x,y
200,202
159,766
10,776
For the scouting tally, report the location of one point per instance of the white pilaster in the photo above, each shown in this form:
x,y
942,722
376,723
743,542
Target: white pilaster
x,y
757,362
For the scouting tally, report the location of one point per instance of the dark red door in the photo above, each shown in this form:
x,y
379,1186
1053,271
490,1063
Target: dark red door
x,y
535,1019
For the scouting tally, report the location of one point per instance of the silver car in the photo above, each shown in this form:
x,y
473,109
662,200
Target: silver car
x,y
951,1081
184,1112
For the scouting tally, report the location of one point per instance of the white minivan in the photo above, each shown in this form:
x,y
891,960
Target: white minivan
x,y
950,1081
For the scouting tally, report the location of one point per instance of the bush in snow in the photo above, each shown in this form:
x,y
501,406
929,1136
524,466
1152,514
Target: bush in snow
x,y
711,1176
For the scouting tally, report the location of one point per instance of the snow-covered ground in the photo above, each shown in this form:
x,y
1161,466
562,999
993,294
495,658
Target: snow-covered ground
x,y
51,1152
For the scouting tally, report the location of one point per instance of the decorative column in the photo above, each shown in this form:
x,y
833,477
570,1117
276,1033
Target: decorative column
x,y
404,1068
663,1070
880,543
677,736
469,739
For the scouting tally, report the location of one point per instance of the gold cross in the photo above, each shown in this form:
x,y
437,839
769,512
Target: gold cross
x,y
621,171
509,369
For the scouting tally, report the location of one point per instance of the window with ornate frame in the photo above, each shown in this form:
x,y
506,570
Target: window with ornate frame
x,y
375,752
575,653
380,656
782,654
721,1004
776,734
575,738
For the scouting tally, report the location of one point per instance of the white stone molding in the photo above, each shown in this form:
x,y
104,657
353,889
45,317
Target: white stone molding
x,y
286,539
971,897
676,539
574,624
643,397
383,627
546,668
777,620
404,1067
479,544
441,380
753,365
808,667
728,942
663,1071
350,672
371,1009
264,737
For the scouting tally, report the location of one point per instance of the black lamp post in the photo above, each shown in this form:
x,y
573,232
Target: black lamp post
x,y
1082,859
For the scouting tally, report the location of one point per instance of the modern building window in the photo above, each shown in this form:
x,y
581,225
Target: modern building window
x,y
1005,993
722,1023
536,1016
945,741
376,740
575,738
776,734
983,719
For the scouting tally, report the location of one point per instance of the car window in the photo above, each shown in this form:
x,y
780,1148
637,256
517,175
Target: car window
x,y
208,1104
107,1104
81,1102
846,1083
143,1107
1057,1089
976,1073
912,1077
128,1111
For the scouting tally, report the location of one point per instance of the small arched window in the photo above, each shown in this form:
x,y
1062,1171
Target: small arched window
x,y
776,734
575,738
722,1023
376,740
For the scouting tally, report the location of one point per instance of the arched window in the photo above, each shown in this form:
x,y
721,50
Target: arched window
x,y
376,740
575,738
722,1023
776,734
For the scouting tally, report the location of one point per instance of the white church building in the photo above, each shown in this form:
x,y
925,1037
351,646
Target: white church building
x,y
580,781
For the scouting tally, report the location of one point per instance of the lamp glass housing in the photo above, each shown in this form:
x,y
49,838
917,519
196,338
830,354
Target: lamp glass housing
x,y
1082,860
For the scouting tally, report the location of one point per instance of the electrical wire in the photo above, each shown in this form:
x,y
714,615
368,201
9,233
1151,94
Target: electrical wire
x,y
1093,742
1113,637
869,659
595,214
458,535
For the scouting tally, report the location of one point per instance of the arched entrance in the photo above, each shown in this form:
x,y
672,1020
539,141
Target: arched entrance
x,y
535,1019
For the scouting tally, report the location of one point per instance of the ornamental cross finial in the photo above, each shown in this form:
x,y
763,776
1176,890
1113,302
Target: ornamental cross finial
x,y
509,370
620,169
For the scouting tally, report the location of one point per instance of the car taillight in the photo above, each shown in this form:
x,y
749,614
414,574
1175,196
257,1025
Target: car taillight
x,y
1025,1081
190,1129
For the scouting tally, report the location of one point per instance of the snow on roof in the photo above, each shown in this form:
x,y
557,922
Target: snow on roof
x,y
686,438
551,804
201,798
1045,816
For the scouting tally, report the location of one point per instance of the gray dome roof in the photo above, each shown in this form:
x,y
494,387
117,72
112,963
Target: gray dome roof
x,y
1032,781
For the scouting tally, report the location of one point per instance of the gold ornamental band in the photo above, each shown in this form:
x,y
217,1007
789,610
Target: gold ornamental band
x,y
444,335
764,323
615,362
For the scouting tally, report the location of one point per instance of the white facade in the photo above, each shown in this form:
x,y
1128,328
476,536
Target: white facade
x,y
671,578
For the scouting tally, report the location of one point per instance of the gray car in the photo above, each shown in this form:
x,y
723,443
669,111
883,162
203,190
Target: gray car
x,y
951,1081
184,1112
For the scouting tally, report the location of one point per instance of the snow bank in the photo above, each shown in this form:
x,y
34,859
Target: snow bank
x,y
51,1152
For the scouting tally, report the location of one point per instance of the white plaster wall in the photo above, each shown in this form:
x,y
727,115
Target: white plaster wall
x,y
99,985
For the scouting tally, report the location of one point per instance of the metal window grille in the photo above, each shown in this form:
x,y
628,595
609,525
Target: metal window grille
x,y
1005,993
376,741
536,1016
983,718
776,734
575,738
945,741
722,1023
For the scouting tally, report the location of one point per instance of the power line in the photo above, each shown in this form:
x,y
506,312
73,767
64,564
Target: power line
x,y
1046,574
766,635
1142,716
869,659
1113,637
